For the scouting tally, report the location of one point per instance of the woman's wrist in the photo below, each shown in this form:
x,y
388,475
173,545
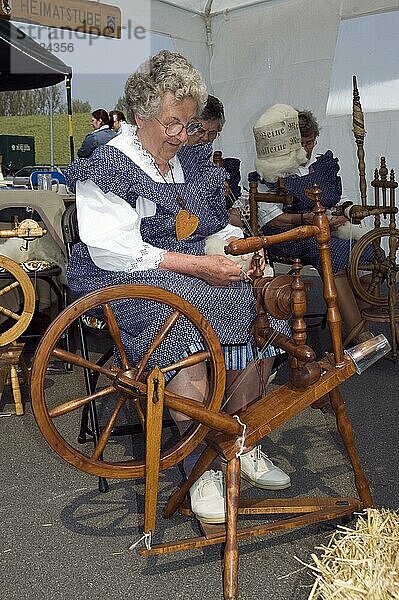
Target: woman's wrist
x,y
299,220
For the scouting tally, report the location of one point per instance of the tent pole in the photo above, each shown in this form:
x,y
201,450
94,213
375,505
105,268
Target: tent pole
x,y
68,86
208,30
51,110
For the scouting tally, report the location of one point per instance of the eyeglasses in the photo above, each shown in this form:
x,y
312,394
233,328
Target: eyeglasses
x,y
174,129
309,144
211,133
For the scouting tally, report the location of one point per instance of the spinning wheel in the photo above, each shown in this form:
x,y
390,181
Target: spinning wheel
x,y
123,385
20,318
382,288
143,384
382,291
28,230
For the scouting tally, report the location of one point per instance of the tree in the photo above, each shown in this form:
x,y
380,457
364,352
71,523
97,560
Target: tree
x,y
37,102
120,105
81,106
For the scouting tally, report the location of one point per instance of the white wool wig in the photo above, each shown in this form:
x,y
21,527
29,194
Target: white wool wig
x,y
278,143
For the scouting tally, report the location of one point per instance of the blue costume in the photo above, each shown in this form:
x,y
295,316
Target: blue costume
x,y
230,310
94,139
324,173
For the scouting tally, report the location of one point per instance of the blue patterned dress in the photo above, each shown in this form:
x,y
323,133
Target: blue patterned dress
x,y
230,309
324,173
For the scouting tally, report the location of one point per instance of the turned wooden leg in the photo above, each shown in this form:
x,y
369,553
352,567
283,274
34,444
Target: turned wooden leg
x,y
4,371
345,429
16,391
230,576
24,370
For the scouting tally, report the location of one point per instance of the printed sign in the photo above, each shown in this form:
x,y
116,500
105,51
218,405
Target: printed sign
x,y
277,139
82,16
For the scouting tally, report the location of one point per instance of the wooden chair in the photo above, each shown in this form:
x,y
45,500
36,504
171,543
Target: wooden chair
x,y
309,381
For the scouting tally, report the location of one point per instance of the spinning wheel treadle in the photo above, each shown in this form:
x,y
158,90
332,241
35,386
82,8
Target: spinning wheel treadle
x,y
123,385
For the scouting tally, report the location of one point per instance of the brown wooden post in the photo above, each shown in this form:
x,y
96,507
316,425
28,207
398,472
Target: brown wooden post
x,y
230,575
359,133
153,435
346,432
329,289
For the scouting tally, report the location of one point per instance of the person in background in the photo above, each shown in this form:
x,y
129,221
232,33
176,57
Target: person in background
x,y
300,170
212,120
102,134
137,189
116,119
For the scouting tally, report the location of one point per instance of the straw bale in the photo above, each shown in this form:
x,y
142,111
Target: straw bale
x,y
360,563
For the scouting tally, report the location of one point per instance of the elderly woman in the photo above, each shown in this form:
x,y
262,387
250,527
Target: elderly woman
x,y
138,190
305,171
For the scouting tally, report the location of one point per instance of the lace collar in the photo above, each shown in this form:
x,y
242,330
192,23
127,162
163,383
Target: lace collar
x,y
128,143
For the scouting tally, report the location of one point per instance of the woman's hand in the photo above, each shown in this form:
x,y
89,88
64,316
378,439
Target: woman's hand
x,y
337,221
245,260
217,270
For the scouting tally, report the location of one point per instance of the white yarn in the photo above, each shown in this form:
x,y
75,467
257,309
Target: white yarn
x,y
215,245
278,143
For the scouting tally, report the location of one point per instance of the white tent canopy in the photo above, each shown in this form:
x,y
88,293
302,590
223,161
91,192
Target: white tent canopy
x,y
255,53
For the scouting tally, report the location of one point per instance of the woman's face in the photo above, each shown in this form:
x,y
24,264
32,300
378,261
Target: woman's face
x,y
308,143
208,133
96,123
152,133
116,124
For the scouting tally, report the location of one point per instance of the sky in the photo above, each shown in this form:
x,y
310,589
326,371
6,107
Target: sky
x,y
100,65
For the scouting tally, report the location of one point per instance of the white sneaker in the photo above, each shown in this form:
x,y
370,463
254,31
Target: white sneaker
x,y
259,471
208,497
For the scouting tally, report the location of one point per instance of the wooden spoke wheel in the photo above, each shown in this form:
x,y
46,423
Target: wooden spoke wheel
x,y
17,319
123,388
382,271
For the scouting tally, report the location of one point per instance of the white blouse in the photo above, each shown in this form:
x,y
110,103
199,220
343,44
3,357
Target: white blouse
x,y
110,227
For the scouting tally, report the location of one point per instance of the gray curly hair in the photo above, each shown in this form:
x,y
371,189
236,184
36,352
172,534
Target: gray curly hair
x,y
163,72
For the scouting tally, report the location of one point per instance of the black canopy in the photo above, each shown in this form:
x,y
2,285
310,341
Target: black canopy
x,y
24,64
